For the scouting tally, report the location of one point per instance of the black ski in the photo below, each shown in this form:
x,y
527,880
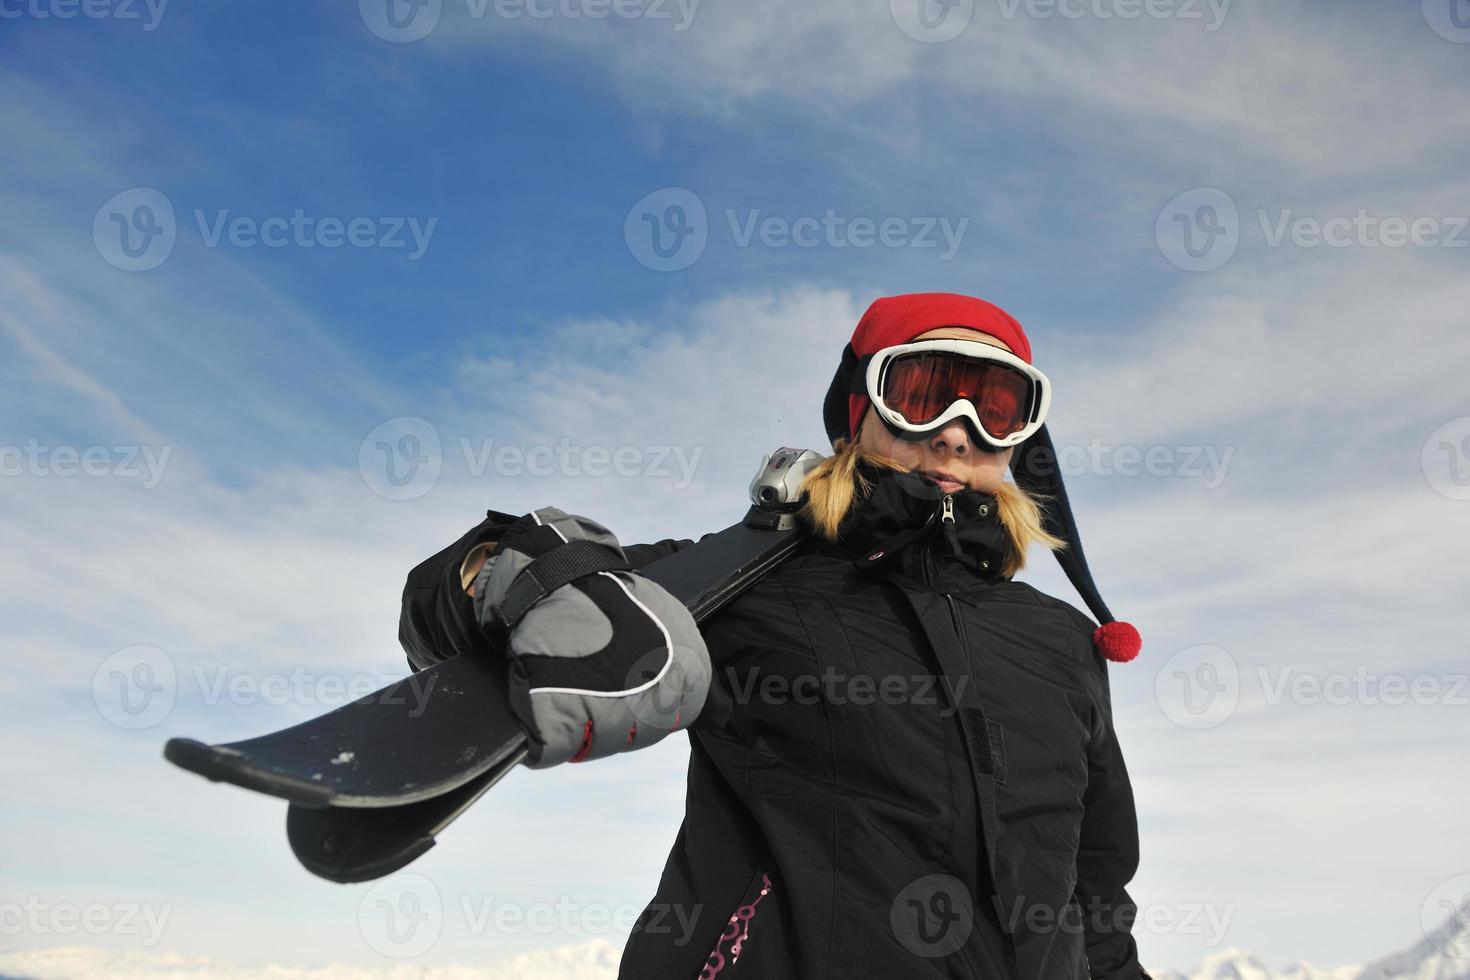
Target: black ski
x,y
352,844
373,782
413,740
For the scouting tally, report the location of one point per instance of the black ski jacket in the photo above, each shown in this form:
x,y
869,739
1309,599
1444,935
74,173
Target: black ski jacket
x,y
905,769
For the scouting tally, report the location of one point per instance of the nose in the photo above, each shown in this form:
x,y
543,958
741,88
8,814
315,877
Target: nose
x,y
953,439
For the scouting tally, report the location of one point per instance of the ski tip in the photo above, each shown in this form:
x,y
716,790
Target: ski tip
x,y
351,846
224,764
192,755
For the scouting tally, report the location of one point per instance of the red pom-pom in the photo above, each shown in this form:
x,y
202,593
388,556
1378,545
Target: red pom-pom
x,y
1118,641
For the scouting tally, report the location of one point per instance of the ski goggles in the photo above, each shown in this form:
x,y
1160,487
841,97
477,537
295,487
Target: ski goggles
x,y
918,388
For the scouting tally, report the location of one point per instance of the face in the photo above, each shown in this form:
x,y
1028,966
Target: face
x,y
951,454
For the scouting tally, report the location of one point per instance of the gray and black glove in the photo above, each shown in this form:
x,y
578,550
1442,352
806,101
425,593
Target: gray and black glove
x,y
603,660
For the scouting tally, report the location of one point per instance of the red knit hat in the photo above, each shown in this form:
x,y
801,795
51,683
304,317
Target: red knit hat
x,y
895,320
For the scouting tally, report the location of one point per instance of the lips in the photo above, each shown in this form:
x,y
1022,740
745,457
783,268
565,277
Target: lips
x,y
948,482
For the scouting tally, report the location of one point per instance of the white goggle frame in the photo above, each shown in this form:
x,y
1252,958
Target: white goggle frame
x,y
962,407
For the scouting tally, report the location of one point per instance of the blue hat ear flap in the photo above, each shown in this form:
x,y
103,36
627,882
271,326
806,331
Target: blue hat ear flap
x,y
1035,468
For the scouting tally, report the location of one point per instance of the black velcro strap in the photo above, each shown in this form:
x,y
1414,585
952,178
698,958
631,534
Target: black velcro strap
x,y
990,744
559,566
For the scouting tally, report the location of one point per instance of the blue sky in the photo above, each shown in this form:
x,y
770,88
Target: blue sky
x,y
1325,382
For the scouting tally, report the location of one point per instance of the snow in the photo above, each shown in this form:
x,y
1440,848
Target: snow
x,y
593,960
1443,954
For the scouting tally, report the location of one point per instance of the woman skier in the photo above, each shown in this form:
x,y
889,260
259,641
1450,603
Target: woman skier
x,y
902,761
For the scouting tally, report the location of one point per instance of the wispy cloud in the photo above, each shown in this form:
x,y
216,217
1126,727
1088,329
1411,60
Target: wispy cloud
x,y
1266,81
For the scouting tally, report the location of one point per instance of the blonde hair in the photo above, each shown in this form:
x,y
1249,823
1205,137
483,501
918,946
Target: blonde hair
x,y
833,485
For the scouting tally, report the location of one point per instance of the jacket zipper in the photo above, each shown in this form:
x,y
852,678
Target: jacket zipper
x,y
930,568
947,517
928,565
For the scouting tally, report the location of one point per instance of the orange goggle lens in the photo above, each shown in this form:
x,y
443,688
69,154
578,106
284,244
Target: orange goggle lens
x,y
921,386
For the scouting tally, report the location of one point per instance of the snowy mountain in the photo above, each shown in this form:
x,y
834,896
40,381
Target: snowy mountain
x,y
1442,955
1235,964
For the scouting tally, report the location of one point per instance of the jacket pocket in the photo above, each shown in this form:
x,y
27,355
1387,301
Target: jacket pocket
x,y
737,932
